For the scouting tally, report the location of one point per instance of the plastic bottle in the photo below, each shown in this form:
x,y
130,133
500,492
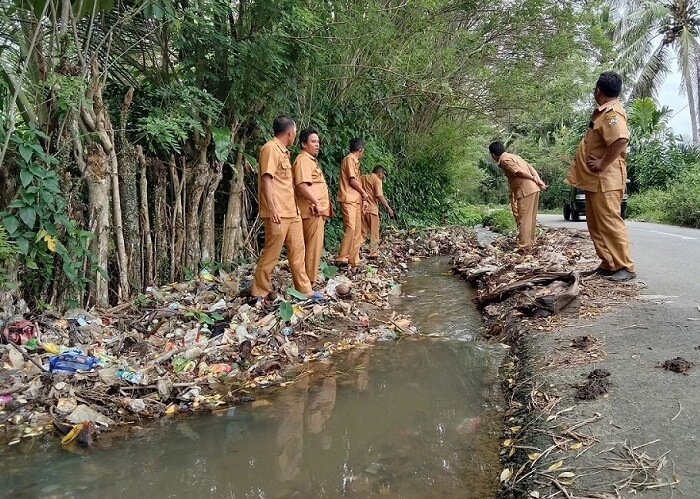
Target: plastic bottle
x,y
130,376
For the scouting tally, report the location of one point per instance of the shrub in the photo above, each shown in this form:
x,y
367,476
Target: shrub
x,y
500,220
647,206
7,251
681,203
469,215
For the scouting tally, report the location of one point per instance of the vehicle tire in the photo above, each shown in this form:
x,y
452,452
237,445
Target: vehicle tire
x,y
623,211
575,217
567,212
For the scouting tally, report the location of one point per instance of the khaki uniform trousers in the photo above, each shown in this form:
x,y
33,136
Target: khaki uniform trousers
x,y
370,226
608,230
288,233
525,213
352,233
313,240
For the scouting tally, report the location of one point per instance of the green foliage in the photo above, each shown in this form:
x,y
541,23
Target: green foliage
x,y
333,233
657,157
222,142
285,311
36,220
203,317
648,206
680,204
328,270
296,294
470,215
170,115
500,220
7,251
676,205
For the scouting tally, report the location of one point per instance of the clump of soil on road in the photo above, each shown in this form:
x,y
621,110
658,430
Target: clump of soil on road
x,y
597,385
677,365
583,342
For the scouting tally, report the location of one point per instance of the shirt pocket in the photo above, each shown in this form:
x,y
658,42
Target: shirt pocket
x,y
284,168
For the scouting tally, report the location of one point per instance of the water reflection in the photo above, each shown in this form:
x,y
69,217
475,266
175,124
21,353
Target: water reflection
x,y
410,419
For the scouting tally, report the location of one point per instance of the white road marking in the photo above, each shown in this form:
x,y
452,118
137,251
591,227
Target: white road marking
x,y
667,234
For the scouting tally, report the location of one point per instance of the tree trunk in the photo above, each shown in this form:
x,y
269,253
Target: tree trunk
x,y
129,197
162,224
693,110
97,179
177,241
233,231
96,120
208,215
147,255
194,199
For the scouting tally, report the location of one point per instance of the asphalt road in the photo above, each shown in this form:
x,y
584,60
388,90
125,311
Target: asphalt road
x,y
646,404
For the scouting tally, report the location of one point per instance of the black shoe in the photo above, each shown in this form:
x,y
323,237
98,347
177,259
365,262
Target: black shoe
x,y
598,271
341,264
622,275
604,272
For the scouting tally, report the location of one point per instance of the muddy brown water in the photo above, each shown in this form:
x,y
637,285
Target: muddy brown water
x,y
410,419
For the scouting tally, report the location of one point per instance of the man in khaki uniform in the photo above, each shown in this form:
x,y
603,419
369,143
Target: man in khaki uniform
x,y
372,185
525,184
353,201
313,199
278,209
599,168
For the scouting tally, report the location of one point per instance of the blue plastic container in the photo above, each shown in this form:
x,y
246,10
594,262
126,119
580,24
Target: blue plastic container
x,y
71,362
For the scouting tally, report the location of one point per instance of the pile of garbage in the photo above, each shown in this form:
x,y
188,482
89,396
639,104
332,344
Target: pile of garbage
x,y
515,287
194,346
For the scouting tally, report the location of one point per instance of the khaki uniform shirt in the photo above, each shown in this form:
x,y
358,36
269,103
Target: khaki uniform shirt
x,y
512,164
274,160
349,168
373,187
608,124
307,171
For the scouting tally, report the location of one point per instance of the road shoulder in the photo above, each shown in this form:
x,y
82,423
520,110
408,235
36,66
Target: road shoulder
x,y
628,429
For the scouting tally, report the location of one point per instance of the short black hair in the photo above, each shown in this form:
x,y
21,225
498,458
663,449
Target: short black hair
x,y
610,83
282,124
356,144
497,148
378,169
305,134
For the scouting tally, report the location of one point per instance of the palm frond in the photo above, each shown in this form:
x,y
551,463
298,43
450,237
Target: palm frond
x,y
653,73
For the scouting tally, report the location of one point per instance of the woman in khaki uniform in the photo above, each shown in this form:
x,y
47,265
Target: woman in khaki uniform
x,y
313,199
279,212
599,168
525,184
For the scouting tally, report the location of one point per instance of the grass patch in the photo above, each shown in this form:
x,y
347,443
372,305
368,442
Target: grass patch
x,y
681,203
648,206
500,220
